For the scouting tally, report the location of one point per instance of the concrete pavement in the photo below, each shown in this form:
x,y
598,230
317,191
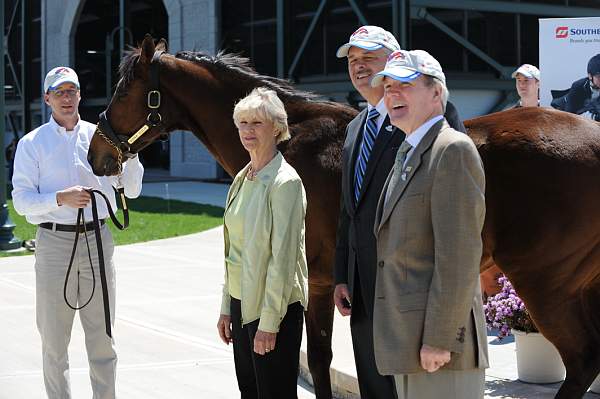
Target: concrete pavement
x,y
168,300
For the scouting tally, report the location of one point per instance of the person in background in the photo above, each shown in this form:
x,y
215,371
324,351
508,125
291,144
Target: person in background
x,y
265,290
527,79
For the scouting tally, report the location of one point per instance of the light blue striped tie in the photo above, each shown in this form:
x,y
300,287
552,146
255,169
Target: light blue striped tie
x,y
369,136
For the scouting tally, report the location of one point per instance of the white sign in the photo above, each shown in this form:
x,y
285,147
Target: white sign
x,y
567,46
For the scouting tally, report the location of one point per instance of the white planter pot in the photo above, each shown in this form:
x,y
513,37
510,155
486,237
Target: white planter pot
x,y
596,385
538,360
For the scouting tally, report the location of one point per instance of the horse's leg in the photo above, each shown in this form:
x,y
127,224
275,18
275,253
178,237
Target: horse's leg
x,y
575,386
587,364
581,353
488,277
319,326
576,337
581,372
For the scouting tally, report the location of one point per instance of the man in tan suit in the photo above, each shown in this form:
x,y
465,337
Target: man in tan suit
x,y
428,323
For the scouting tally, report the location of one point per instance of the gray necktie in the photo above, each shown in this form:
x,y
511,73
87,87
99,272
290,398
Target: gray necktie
x,y
398,166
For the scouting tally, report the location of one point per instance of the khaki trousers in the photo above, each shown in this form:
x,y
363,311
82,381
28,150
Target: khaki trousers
x,y
447,384
55,318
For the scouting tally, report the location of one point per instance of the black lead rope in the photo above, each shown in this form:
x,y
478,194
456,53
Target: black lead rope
x,y
96,222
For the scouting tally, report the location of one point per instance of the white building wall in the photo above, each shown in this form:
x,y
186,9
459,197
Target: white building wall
x,y
193,25
57,28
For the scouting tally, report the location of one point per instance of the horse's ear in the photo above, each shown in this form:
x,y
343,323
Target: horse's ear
x,y
147,49
162,45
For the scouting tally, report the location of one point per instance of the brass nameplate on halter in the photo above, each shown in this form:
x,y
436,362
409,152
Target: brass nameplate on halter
x,y
138,134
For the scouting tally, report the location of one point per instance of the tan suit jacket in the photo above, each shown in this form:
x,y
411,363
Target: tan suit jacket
x,y
428,252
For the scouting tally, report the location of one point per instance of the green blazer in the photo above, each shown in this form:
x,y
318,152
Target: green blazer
x,y
274,271
428,253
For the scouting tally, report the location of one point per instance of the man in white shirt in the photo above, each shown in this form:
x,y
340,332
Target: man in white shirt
x,y
428,325
50,180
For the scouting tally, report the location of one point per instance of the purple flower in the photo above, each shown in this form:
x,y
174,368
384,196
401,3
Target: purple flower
x,y
506,310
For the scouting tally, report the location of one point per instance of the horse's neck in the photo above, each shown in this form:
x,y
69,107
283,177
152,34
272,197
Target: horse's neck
x,y
208,109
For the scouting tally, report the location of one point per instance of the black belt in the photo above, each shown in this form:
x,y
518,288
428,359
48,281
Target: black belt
x,y
70,227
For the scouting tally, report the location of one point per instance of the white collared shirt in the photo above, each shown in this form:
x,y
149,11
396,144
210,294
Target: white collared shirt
x,y
415,137
380,107
50,159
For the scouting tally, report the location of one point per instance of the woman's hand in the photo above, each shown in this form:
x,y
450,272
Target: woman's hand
x,y
264,342
224,327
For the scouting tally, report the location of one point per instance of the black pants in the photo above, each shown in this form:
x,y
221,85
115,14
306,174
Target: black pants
x,y
372,385
273,375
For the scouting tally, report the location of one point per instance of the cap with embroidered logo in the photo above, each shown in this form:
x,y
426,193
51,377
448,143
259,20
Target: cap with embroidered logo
x,y
527,70
370,38
406,66
58,76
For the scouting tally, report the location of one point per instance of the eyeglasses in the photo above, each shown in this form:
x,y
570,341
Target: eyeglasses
x,y
68,92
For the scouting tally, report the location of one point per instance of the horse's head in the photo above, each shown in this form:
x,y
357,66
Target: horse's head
x,y
135,116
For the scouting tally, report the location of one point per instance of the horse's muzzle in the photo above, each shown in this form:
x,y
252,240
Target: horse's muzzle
x,y
111,166
108,166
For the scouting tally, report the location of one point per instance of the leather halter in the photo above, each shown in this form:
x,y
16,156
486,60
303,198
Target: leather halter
x,y
123,143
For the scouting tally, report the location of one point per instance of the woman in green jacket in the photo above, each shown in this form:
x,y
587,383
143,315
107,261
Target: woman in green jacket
x,y
265,288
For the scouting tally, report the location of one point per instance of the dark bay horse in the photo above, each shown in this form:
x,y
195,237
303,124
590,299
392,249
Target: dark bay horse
x,y
543,191
198,94
542,226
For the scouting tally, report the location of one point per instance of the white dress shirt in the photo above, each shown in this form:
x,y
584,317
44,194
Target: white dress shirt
x,y
415,137
382,114
50,159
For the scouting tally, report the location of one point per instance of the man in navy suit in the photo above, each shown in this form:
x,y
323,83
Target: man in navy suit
x,y
368,156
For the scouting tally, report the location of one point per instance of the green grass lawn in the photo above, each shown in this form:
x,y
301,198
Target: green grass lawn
x,y
149,219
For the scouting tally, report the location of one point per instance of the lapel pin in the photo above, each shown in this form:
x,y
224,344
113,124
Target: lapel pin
x,y
403,176
408,169
389,128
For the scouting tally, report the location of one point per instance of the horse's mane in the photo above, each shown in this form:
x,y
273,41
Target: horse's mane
x,y
236,65
127,65
241,68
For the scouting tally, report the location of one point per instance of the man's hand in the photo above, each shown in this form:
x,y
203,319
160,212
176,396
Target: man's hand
x,y
341,297
433,358
224,328
264,342
74,197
